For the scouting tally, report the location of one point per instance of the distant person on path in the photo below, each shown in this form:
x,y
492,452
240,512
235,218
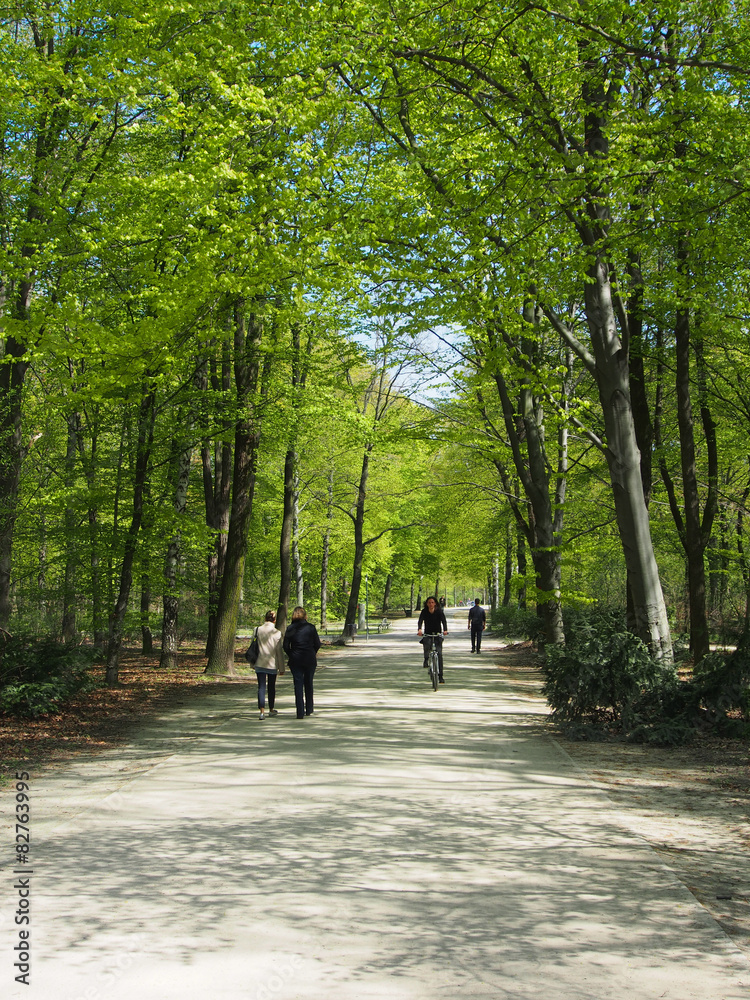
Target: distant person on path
x,y
270,662
433,619
477,624
301,644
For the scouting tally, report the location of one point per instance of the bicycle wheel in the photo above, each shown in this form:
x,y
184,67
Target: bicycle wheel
x,y
434,668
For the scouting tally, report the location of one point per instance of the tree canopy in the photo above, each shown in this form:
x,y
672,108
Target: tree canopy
x,y
295,295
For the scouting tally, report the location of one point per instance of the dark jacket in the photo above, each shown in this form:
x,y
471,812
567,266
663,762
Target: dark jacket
x,y
301,643
434,622
477,616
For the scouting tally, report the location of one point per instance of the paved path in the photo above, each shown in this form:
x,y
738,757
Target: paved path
x,y
400,843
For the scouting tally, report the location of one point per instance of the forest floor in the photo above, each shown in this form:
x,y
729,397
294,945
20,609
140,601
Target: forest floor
x,y
691,803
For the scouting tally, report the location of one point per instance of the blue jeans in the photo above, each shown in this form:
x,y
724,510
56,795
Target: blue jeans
x,y
303,689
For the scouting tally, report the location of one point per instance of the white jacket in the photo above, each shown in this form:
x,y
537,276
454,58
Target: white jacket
x,y
271,655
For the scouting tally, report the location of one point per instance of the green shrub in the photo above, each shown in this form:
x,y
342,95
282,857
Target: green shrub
x,y
515,623
610,674
721,684
38,676
583,624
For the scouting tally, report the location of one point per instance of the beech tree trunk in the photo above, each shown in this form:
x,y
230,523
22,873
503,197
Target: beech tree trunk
x,y
521,561
12,375
495,581
216,463
90,464
387,591
508,564
359,544
296,558
143,455
325,557
147,638
289,556
68,626
247,339
624,463
544,490
170,600
285,543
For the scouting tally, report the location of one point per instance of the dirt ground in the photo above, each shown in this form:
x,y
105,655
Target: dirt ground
x,y
691,804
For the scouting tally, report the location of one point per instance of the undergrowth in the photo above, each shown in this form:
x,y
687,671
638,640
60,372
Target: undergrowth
x,y
37,676
604,681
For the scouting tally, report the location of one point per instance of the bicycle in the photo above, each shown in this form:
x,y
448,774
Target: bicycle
x,y
433,661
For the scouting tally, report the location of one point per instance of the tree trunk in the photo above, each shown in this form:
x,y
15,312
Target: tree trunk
x,y
117,617
285,543
41,576
387,591
90,466
217,486
521,562
68,626
411,598
692,535
624,463
359,545
168,658
247,339
508,564
644,430
296,559
12,375
147,638
326,551
524,425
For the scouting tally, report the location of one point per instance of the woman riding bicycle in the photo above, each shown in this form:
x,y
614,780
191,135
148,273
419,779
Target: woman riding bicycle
x,y
433,619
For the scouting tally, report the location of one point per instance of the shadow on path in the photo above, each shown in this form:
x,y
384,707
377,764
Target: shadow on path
x,y
400,843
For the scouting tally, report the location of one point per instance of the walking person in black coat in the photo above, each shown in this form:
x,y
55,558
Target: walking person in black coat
x,y
477,624
301,644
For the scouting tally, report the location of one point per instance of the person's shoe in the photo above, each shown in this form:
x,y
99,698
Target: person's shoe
x,y
440,680
272,711
261,715
308,713
300,716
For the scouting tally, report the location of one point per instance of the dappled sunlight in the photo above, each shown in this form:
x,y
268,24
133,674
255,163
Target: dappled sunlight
x,y
400,842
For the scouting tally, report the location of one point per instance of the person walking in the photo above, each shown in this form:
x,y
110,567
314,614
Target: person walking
x,y
269,664
433,619
301,644
477,624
